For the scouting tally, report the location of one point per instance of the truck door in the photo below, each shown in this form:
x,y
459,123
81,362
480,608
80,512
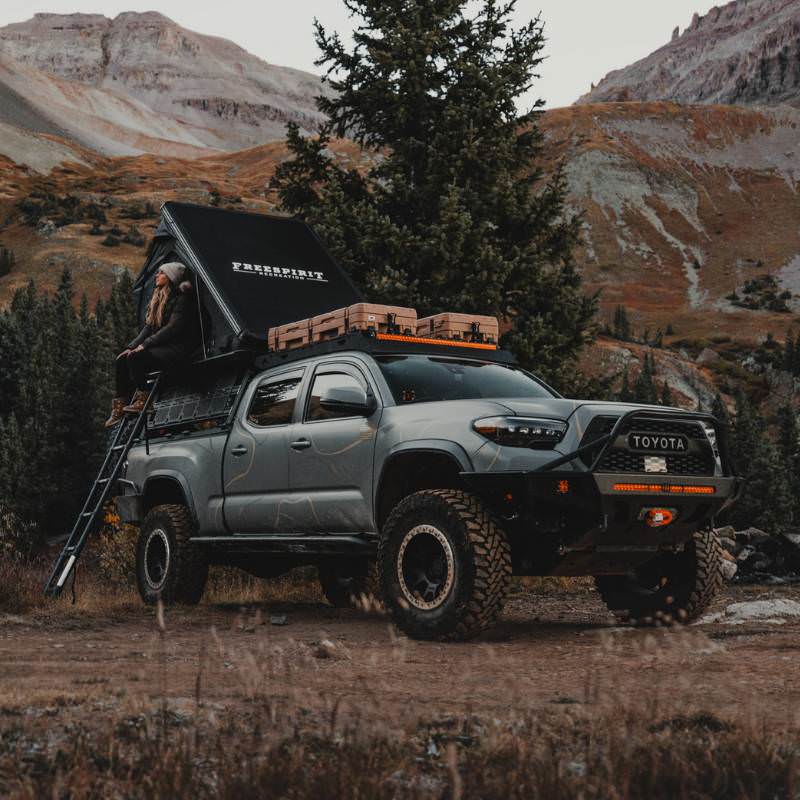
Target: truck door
x,y
256,464
331,458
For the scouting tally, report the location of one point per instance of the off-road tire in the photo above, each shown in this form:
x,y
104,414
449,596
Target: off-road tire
x,y
479,576
693,579
170,526
350,584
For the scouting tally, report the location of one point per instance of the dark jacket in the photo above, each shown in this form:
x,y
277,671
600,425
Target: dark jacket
x,y
179,336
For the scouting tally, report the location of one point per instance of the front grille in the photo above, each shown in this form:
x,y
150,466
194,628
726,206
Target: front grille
x,y
699,461
693,430
598,427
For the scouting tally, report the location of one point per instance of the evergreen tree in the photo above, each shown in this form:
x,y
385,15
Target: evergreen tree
x,y
622,327
720,411
796,362
789,353
666,395
789,449
625,393
55,374
6,261
766,501
645,389
455,213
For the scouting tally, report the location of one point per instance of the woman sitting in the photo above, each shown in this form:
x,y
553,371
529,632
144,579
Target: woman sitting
x,y
170,336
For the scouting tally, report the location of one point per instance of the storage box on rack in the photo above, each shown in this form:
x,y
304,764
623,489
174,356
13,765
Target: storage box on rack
x,y
382,319
460,327
288,337
364,317
329,326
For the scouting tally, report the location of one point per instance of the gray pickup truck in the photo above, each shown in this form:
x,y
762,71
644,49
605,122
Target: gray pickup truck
x,y
429,476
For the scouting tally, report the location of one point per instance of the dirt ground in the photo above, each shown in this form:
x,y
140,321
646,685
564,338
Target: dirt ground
x,y
551,648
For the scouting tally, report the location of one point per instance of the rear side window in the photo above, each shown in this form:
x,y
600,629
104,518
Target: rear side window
x,y
323,384
273,402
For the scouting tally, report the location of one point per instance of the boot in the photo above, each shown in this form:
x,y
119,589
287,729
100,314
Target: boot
x,y
136,405
117,404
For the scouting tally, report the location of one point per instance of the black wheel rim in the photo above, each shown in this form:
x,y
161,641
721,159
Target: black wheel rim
x,y
425,567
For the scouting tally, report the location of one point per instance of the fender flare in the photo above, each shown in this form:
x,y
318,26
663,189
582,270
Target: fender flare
x,y
434,446
177,478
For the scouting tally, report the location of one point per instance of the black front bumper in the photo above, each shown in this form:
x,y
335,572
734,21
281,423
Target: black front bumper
x,y
583,523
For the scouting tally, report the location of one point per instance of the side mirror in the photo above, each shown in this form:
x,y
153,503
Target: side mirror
x,y
349,401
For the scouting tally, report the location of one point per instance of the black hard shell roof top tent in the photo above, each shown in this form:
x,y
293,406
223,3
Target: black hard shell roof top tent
x,y
251,272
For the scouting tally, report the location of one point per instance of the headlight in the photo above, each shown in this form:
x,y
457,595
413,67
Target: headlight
x,y
537,434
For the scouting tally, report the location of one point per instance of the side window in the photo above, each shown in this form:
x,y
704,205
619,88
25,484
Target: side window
x,y
273,402
324,383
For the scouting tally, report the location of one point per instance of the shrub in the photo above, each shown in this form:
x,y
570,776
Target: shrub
x,y
7,261
134,236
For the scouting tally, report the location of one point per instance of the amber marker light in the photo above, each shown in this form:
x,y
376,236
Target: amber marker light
x,y
396,337
656,488
563,487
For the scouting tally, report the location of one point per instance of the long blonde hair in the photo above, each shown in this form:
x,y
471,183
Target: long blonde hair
x,y
158,302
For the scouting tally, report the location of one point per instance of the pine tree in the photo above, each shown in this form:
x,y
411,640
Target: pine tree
x,y
789,450
625,393
666,395
7,261
720,411
622,327
455,213
645,389
789,352
766,501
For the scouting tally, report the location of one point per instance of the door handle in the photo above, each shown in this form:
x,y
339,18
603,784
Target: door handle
x,y
301,444
239,451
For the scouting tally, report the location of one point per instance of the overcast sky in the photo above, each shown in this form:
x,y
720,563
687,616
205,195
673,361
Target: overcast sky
x,y
587,39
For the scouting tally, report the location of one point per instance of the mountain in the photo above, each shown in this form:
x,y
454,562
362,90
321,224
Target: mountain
x,y
745,52
684,209
141,83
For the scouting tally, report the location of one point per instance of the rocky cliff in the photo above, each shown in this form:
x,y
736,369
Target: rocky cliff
x,y
745,52
141,83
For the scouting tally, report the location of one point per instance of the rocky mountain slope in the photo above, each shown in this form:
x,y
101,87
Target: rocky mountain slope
x,y
690,213
684,208
745,52
141,83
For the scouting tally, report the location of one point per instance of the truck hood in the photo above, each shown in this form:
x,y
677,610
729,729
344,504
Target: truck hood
x,y
557,408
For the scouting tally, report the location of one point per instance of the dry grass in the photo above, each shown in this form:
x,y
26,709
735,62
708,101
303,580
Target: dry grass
x,y
269,742
98,594
561,754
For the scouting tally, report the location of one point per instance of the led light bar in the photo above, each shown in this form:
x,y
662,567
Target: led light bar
x,y
396,337
658,488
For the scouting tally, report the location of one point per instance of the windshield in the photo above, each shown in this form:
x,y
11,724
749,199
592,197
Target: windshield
x,y
425,379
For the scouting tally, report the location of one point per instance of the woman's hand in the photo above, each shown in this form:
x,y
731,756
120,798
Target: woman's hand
x,y
124,354
138,349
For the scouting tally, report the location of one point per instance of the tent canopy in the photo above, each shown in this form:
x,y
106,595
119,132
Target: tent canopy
x,y
252,271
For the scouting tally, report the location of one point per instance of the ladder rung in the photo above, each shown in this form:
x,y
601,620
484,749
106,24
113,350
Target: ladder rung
x,y
104,480
118,447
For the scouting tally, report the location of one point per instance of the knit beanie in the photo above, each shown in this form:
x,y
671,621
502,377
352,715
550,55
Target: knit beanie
x,y
175,271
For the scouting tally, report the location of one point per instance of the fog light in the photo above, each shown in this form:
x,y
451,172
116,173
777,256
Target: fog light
x,y
658,517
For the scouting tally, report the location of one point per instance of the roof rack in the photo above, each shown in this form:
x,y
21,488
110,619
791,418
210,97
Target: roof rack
x,y
387,344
